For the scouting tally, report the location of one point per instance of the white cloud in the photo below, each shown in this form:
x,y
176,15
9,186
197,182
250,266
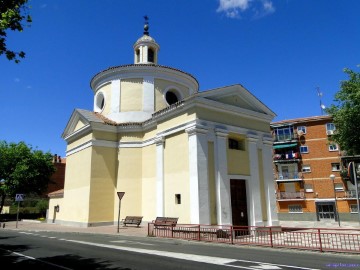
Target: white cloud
x,y
233,8
16,80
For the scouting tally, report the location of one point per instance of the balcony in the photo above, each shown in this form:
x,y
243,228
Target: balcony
x,y
350,194
287,157
288,176
299,195
285,137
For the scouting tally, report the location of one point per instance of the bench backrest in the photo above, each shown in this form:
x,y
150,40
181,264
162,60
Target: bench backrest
x,y
133,217
166,220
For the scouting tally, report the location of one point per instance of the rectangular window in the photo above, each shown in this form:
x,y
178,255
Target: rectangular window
x,y
335,167
308,188
295,208
304,149
236,144
353,208
330,128
301,130
333,147
283,134
306,168
177,198
338,187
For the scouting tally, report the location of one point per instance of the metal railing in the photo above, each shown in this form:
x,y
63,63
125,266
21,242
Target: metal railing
x,y
290,195
350,194
289,175
319,239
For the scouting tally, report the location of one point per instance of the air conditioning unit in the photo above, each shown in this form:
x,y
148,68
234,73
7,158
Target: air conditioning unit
x,y
330,132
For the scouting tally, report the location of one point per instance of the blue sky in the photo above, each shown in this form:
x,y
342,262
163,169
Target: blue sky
x,y
280,50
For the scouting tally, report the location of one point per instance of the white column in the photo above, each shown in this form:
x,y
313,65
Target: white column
x,y
270,199
148,95
222,183
115,96
198,176
256,218
160,176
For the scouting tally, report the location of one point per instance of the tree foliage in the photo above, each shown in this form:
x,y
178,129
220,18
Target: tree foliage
x,y
24,170
13,15
346,114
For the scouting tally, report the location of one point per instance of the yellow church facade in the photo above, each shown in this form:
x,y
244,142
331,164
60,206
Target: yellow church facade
x,y
202,156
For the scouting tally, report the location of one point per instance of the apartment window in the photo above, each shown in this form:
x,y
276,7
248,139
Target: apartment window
x,y
330,128
338,187
295,208
283,134
308,188
335,167
353,208
301,129
177,198
333,147
306,168
236,144
304,149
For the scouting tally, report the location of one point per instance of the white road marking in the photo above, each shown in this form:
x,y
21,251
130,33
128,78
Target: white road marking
x,y
193,257
131,242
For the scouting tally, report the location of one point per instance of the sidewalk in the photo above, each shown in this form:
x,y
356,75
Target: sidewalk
x,y
142,230
29,225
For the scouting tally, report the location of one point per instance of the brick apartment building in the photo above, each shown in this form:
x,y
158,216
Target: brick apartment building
x,y
304,158
57,179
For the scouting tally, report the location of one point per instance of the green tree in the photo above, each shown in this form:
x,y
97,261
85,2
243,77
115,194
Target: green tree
x,y
13,15
346,114
23,170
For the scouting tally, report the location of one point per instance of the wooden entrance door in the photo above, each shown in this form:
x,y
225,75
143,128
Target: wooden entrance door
x,y
238,202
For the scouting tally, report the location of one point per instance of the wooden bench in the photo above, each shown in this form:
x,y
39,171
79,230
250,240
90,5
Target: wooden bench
x,y
134,220
165,221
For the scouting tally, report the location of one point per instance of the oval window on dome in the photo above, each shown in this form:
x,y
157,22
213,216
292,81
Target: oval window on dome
x,y
171,97
100,101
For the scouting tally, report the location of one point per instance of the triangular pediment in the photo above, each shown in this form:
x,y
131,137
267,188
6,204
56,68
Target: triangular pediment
x,y
79,120
237,96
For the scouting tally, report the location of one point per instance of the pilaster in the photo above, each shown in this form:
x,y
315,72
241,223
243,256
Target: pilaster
x,y
159,141
198,174
256,218
222,183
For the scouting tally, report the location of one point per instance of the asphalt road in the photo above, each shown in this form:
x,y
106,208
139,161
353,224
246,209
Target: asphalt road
x,y
68,250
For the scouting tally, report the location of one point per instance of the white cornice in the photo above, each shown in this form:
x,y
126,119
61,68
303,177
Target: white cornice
x,y
141,71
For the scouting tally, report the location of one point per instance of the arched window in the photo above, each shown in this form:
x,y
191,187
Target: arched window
x,y
137,55
150,55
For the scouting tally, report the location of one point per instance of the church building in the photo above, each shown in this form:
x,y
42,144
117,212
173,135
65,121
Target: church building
x,y
170,149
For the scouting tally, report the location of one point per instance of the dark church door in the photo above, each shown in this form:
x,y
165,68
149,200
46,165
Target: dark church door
x,y
238,202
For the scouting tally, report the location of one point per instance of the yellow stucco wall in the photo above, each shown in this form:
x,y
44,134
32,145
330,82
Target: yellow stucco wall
x,y
106,136
103,182
238,160
149,183
129,181
160,86
79,125
176,177
79,142
131,95
77,187
229,119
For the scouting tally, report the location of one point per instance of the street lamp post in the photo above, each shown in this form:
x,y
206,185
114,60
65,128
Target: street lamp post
x,y
332,178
